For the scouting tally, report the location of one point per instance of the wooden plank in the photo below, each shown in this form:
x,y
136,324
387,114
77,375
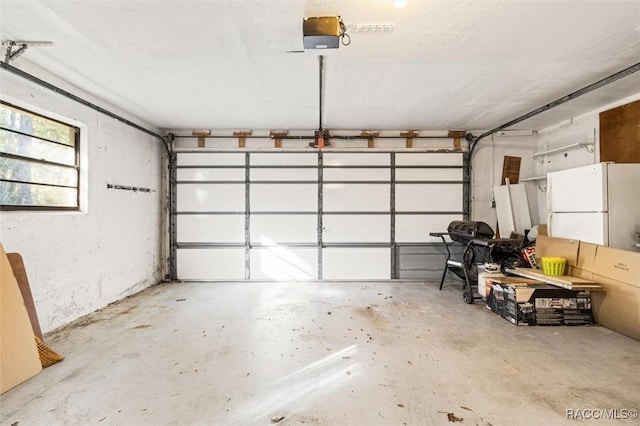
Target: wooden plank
x,y
565,281
512,209
370,137
242,137
201,135
511,169
620,134
409,137
456,135
277,137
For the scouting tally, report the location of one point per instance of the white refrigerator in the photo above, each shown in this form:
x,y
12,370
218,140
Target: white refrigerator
x,y
599,203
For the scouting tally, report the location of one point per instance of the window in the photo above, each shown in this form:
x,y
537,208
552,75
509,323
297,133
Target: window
x,y
39,161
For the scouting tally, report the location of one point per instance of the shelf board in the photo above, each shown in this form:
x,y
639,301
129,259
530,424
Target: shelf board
x,y
533,179
564,148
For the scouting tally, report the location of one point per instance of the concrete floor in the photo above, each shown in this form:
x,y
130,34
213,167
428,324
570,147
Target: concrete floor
x,y
322,353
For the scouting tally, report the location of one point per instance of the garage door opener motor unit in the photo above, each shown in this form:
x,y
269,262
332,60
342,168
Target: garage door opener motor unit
x,y
322,32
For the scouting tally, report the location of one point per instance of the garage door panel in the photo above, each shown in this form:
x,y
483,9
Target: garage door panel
x,y
428,159
416,228
283,159
210,159
428,197
356,197
429,174
210,197
284,263
356,263
356,228
284,175
191,175
284,197
211,264
356,159
219,228
284,202
268,229
357,174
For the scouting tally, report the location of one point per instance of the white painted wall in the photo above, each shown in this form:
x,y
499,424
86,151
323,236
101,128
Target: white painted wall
x,y
486,172
81,261
584,128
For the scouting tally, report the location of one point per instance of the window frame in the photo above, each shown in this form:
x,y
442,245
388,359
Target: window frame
x,y
76,167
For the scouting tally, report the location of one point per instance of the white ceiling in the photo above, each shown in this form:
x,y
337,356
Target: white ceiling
x,y
447,64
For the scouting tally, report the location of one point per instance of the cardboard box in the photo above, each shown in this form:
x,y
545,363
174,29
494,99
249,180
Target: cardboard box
x,y
503,279
618,271
539,304
542,229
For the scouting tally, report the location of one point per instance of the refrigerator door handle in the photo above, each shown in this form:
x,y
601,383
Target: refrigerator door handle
x,y
548,195
549,206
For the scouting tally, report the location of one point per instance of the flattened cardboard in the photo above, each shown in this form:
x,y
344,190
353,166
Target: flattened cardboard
x,y
557,247
618,308
618,265
618,271
19,359
542,230
586,256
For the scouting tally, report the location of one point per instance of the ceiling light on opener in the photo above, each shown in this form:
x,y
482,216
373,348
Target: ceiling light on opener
x,y
371,28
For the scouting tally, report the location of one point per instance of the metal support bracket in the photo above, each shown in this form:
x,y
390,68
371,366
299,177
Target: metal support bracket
x,y
10,55
22,46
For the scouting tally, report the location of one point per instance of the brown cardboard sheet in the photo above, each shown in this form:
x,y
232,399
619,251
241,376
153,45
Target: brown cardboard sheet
x,y
557,247
19,359
618,271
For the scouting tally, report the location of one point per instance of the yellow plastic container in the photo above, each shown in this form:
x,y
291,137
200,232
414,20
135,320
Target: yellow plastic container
x,y
554,266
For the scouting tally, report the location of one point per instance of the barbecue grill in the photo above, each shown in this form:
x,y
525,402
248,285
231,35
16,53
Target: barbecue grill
x,y
463,231
479,247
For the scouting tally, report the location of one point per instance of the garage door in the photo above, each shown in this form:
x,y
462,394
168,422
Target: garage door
x,y
308,215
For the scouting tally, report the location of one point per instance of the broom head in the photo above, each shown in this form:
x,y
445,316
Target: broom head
x,y
47,356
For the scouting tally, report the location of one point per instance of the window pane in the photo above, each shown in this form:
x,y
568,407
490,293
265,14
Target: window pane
x,y
27,171
30,181
32,124
20,194
12,143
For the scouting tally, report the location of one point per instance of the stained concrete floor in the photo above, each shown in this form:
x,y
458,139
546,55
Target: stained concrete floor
x,y
322,353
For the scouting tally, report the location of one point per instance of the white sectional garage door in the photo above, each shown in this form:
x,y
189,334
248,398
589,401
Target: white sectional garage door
x,y
308,215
